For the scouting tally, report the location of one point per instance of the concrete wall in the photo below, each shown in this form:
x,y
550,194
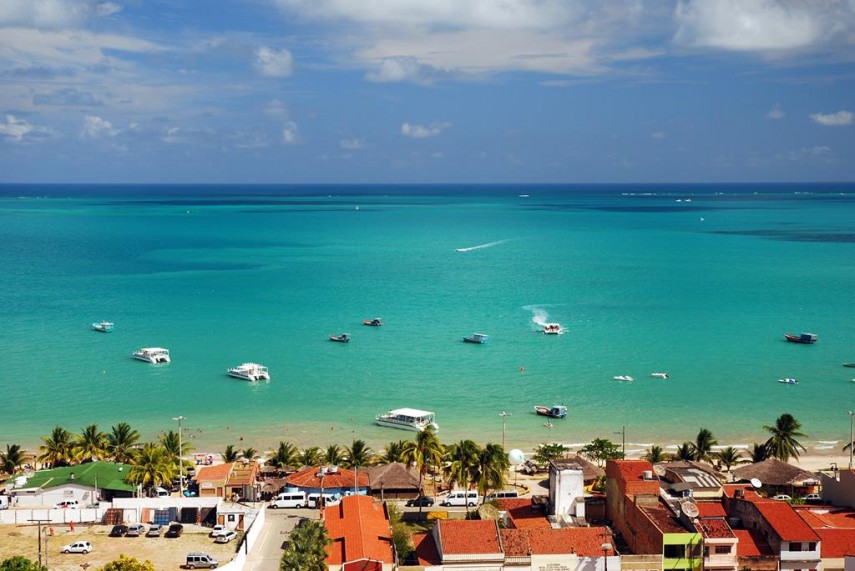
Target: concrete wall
x,y
237,564
566,492
839,491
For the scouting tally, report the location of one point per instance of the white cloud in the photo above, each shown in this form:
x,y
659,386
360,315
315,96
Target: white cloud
x,y
833,119
759,25
290,133
276,108
273,62
819,152
423,131
52,13
658,135
404,69
95,127
17,129
775,112
352,144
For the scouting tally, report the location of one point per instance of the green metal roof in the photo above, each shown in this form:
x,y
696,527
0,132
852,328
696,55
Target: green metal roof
x,y
101,475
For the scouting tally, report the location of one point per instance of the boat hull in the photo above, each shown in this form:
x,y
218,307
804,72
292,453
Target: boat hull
x,y
550,412
339,339
803,339
405,426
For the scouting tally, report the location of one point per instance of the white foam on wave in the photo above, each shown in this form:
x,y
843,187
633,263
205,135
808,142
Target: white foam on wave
x,y
480,246
828,441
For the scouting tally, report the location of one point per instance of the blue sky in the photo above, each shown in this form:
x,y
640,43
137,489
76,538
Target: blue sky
x,y
423,91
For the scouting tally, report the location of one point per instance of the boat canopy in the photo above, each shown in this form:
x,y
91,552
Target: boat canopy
x,y
412,412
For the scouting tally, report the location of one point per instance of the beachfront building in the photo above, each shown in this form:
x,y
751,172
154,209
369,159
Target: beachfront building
x,y
393,481
86,483
649,524
838,488
720,542
836,530
688,479
212,480
566,490
779,478
361,535
329,480
796,545
230,481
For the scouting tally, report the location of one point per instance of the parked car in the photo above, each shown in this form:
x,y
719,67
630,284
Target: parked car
x,y
77,547
812,498
200,560
67,504
420,501
118,530
154,531
175,530
783,497
226,537
135,530
219,530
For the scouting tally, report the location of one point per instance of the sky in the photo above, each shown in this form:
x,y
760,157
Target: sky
x,y
427,91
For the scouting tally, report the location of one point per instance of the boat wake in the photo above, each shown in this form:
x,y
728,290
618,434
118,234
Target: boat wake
x,y
540,318
480,246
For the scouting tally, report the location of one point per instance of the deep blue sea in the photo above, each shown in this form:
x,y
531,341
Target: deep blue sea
x,y
700,281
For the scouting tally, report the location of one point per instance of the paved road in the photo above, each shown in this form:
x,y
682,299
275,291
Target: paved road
x,y
267,551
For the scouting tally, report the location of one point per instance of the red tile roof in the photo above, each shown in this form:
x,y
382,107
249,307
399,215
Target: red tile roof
x,y
710,509
341,478
835,527
468,537
522,514
425,548
630,470
663,519
360,529
837,542
583,541
216,473
751,543
714,528
785,521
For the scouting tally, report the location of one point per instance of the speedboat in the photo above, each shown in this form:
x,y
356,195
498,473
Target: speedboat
x,y
551,329
343,338
556,411
407,419
152,355
849,364
376,322
789,381
250,372
477,338
808,338
103,327
623,378
659,375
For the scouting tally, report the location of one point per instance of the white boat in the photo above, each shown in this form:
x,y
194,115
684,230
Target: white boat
x,y
250,372
479,338
407,419
659,375
623,378
152,355
789,381
103,327
552,329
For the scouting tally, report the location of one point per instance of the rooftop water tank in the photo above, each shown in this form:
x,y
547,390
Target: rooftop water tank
x,y
20,481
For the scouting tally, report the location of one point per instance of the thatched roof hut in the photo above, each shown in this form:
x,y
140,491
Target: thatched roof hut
x,y
773,472
393,480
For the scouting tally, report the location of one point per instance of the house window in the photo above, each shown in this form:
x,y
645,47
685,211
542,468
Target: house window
x,y
722,550
812,546
674,551
231,517
795,546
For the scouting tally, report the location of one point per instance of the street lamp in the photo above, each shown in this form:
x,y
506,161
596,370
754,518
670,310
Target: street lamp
x,y
180,462
504,415
606,547
851,435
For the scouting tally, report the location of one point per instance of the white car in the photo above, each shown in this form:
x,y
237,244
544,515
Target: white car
x,y
219,530
226,537
77,547
783,497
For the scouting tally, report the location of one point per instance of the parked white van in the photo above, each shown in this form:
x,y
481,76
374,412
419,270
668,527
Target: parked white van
x,y
289,500
67,504
4,502
461,498
329,500
502,494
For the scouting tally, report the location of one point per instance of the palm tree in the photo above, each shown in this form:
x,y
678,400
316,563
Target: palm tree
x,y
307,549
654,455
729,457
758,452
492,467
57,449
176,448
702,447
334,455
154,466
12,459
358,455
393,452
90,445
249,453
783,444
424,452
285,456
685,451
230,454
121,442
462,464
310,456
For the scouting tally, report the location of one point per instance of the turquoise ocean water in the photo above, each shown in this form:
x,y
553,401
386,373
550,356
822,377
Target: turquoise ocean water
x,y
699,281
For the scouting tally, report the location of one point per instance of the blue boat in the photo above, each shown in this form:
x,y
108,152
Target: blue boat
x,y
557,411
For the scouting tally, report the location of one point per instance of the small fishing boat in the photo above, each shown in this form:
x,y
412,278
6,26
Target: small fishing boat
x,y
806,338
103,327
555,411
479,338
551,329
849,365
343,338
376,322
623,378
659,375
789,381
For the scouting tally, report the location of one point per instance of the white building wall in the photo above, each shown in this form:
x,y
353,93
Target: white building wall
x,y
567,492
36,497
558,562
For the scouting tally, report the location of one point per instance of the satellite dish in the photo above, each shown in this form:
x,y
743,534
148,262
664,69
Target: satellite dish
x,y
659,469
756,483
29,472
690,509
516,456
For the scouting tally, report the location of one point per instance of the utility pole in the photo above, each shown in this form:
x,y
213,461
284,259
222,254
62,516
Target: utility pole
x,y
851,435
504,415
622,441
180,460
39,523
